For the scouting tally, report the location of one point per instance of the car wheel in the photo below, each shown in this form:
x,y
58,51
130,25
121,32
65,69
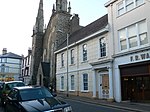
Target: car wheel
x,y
6,109
2,102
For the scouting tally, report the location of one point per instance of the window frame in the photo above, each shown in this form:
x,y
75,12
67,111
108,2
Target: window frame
x,y
62,60
72,82
129,4
124,6
102,47
72,56
136,36
85,83
121,9
62,83
84,51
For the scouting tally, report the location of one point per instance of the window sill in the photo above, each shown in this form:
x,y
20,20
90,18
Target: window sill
x,y
62,67
61,90
100,58
85,61
84,91
72,64
71,90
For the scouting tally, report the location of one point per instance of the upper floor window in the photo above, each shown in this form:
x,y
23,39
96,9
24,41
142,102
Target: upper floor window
x,y
85,81
102,47
72,83
121,8
84,52
127,5
11,60
123,40
62,59
139,2
72,56
4,60
142,29
133,35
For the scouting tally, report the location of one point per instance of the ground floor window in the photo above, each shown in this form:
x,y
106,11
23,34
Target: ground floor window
x,y
62,83
72,82
85,82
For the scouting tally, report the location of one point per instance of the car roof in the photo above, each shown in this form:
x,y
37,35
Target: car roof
x,y
27,87
12,82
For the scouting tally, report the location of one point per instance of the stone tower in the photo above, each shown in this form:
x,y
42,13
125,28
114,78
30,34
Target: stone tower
x,y
57,29
37,43
45,43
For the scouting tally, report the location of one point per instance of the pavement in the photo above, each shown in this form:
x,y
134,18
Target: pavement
x,y
126,105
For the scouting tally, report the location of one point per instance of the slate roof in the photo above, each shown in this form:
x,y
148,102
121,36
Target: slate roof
x,y
45,68
87,30
11,55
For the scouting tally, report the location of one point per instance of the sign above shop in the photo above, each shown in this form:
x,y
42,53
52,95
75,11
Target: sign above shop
x,y
139,57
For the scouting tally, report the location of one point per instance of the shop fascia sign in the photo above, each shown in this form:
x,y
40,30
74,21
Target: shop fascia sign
x,y
138,57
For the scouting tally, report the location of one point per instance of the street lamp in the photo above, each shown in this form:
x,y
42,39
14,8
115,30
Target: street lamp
x,y
67,63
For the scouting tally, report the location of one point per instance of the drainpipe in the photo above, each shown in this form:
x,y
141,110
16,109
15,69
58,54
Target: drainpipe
x,y
113,52
78,70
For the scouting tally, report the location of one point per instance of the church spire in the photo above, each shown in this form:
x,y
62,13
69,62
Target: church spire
x,y
39,25
69,8
53,10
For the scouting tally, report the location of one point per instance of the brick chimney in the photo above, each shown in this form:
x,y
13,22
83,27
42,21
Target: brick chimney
x,y
75,23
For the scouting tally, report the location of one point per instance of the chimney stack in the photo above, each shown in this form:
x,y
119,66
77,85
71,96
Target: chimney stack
x,y
4,51
29,51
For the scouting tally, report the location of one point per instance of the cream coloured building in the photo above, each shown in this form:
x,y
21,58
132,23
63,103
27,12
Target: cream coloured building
x,y
89,62
129,22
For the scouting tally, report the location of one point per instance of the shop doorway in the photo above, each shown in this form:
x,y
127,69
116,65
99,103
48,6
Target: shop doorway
x,y
135,88
135,81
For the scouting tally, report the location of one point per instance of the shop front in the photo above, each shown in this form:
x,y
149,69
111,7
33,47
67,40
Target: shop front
x,y
135,81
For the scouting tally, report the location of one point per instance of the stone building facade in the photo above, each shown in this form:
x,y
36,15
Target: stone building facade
x,y
47,40
130,30
25,67
107,59
89,65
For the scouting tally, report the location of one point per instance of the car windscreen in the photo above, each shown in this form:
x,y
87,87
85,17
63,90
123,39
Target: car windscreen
x,y
9,86
34,93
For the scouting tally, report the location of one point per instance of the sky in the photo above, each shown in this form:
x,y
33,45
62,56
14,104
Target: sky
x,y
18,18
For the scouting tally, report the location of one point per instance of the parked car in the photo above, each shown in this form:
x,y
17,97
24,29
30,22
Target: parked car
x,y
1,83
34,99
6,88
